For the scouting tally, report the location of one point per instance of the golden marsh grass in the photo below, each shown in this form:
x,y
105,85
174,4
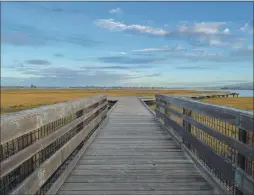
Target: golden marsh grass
x,y
22,99
245,103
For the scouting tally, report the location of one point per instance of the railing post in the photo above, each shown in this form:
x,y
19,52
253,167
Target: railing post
x,y
241,159
165,112
161,119
187,126
242,136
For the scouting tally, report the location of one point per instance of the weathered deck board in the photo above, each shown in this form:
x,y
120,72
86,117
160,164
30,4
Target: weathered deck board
x,y
133,155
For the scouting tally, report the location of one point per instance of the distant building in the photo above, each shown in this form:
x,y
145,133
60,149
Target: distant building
x,y
33,86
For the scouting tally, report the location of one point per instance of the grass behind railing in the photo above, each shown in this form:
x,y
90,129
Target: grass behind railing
x,y
245,103
22,99
223,149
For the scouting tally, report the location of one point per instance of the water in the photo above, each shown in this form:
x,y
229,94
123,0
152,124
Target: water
x,y
243,93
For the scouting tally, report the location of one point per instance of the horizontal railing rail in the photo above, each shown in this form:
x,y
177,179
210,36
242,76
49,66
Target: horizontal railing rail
x,y
36,143
221,138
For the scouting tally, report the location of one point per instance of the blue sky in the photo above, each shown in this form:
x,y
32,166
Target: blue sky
x,y
174,44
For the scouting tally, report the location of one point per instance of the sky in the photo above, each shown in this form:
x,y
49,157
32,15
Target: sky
x,y
152,44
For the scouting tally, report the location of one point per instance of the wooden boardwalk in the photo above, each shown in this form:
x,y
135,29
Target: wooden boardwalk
x,y
133,155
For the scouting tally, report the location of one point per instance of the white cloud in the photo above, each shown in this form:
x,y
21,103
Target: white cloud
x,y
151,49
178,47
226,31
237,45
118,53
208,27
115,11
183,28
111,24
215,42
247,28
244,27
205,33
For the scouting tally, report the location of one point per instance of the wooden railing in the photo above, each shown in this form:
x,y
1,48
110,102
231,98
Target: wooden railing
x,y
220,138
38,145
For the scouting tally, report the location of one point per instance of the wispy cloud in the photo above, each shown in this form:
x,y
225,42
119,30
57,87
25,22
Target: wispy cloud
x,y
178,52
146,50
112,24
81,40
205,33
57,8
116,10
38,62
199,33
118,53
18,34
177,47
247,28
130,60
58,55
244,27
196,67
117,67
243,52
204,27
237,56
154,75
61,76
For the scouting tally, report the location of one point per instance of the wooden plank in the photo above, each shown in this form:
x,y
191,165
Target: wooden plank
x,y
129,157
133,153
126,157
132,161
150,192
167,166
136,186
135,147
134,179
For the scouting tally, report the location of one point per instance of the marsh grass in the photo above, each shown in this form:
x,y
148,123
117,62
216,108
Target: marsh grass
x,y
22,99
245,103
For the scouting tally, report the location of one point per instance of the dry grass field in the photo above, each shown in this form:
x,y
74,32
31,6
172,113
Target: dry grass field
x,y
21,99
245,103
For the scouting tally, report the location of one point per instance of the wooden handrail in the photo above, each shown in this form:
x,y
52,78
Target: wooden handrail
x,y
15,125
36,162
185,116
32,183
14,161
